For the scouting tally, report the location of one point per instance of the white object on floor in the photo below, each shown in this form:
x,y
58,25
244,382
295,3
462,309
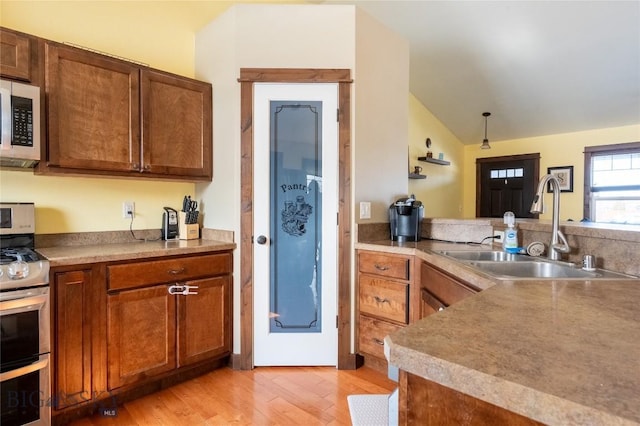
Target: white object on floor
x,y
369,410
393,408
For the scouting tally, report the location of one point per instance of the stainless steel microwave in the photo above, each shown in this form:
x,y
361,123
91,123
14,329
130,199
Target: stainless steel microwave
x,y
20,124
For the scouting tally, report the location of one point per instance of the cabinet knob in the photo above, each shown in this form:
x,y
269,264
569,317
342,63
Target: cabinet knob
x,y
176,271
381,267
378,341
261,239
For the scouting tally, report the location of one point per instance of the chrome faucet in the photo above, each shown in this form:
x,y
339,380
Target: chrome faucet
x,y
558,241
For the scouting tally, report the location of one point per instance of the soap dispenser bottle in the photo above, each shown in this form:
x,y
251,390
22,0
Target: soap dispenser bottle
x,y
510,242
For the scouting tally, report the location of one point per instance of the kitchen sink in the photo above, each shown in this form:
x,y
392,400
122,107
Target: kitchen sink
x,y
504,265
543,269
493,256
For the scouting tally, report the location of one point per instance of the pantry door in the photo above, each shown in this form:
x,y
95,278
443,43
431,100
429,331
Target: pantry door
x,y
295,160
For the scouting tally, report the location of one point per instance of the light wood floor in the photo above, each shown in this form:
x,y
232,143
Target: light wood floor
x,y
263,396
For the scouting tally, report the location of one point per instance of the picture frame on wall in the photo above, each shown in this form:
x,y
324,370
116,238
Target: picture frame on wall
x,y
565,177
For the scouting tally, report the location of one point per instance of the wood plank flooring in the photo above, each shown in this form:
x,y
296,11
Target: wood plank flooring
x,y
263,396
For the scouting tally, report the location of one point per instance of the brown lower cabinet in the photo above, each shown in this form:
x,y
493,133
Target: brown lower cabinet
x,y
151,331
384,288
395,290
439,290
72,331
118,333
425,403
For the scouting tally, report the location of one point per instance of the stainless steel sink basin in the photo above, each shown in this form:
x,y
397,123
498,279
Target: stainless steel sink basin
x,y
493,256
543,269
504,265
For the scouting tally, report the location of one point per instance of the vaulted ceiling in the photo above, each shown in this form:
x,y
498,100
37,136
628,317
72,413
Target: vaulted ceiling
x,y
539,67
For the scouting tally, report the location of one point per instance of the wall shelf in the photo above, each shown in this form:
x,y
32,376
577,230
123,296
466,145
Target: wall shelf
x,y
417,176
434,161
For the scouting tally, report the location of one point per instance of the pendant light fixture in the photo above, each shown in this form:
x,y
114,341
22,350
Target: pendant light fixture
x,y
485,141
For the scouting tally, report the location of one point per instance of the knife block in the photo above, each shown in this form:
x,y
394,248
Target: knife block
x,y
187,231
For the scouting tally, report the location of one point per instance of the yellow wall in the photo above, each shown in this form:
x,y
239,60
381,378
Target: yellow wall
x,y
555,150
442,190
161,34
158,33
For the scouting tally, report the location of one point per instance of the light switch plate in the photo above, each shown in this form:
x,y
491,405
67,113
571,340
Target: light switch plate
x,y
365,210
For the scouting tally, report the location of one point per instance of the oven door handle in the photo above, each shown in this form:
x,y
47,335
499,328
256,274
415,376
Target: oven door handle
x,y
22,371
22,305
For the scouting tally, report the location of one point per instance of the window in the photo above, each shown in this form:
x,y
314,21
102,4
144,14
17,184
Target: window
x,y
507,173
612,183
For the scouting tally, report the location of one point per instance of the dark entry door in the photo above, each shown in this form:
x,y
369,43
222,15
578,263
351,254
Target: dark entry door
x,y
506,184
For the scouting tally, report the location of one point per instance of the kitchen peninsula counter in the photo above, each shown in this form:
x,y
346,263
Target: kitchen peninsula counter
x,y
555,351
85,254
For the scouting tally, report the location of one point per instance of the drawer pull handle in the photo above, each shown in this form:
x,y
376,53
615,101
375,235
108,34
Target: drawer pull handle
x,y
378,341
379,300
176,271
381,267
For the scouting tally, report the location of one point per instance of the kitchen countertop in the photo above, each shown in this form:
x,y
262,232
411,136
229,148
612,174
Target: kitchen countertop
x,y
83,254
557,351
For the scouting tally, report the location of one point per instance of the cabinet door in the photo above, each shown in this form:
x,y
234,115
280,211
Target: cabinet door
x,y
141,330
439,290
204,321
176,117
93,111
72,345
15,55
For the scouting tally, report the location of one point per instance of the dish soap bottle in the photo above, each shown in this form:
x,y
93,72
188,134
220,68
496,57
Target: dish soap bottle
x,y
510,243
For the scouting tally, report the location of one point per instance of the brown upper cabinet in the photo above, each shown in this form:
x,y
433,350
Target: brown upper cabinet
x,y
17,52
111,117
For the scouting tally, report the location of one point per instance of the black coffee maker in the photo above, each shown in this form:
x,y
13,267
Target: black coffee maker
x,y
405,219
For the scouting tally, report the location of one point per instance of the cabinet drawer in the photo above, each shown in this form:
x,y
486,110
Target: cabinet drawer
x,y
179,269
384,265
384,299
371,334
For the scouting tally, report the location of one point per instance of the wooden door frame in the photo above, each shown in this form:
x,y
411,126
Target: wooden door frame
x,y
248,77
520,157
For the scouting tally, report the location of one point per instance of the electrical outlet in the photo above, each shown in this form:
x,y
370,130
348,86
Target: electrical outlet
x,y
499,236
128,209
365,210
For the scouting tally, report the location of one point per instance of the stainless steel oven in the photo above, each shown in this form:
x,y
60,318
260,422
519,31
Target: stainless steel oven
x,y
24,323
24,371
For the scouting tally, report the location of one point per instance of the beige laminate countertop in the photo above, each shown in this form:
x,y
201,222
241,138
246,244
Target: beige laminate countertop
x,y
83,254
557,351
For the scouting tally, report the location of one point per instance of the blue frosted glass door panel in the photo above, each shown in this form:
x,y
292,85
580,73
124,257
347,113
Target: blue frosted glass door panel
x,y
296,220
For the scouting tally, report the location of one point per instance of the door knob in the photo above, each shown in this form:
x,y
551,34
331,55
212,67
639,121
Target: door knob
x,y
261,239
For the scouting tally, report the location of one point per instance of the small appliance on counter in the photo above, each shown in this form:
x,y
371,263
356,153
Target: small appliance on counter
x,y
405,219
169,224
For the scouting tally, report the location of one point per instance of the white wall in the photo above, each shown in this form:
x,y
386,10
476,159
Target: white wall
x,y
381,143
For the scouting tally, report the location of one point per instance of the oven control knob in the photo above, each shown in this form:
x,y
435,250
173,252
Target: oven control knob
x,y
18,270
